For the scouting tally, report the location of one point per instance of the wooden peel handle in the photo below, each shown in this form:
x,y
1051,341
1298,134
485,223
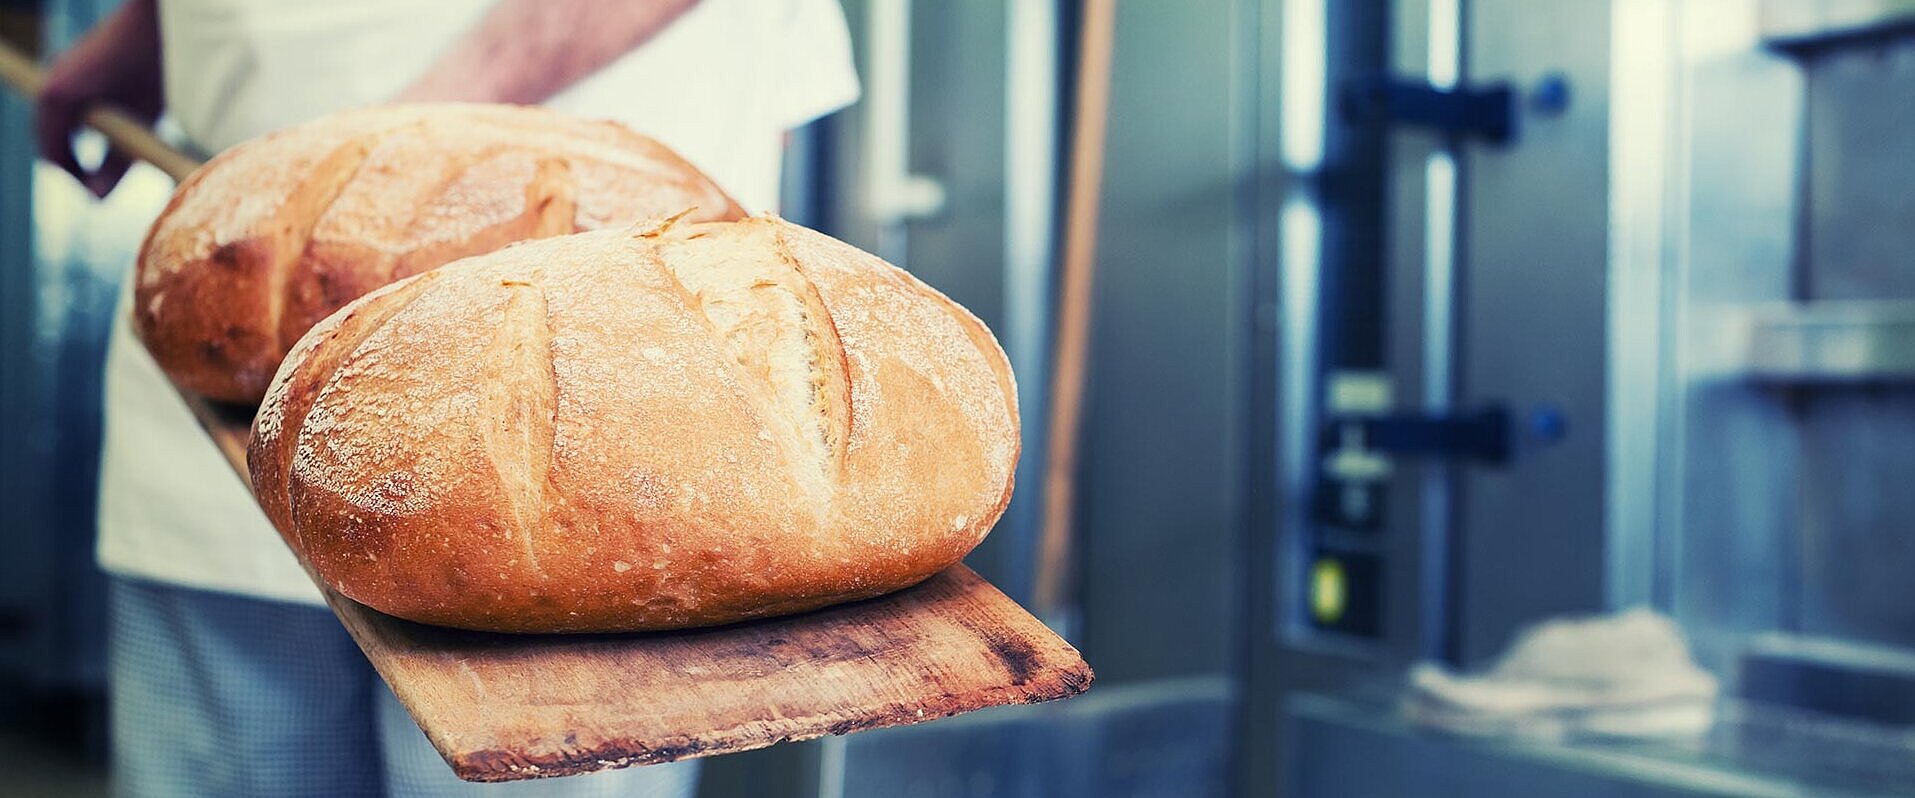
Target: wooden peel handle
x,y
125,133
1070,360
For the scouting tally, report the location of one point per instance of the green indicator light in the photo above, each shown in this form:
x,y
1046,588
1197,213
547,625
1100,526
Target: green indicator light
x,y
1328,590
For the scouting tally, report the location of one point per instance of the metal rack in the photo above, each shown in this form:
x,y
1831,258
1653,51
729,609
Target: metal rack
x,y
1827,342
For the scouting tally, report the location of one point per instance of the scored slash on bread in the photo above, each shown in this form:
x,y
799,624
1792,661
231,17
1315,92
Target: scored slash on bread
x,y
275,234
677,424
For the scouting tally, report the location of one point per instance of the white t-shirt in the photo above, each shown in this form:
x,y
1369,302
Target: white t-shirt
x,y
721,85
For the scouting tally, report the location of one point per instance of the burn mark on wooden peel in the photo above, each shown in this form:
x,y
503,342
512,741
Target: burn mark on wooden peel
x,y
1020,659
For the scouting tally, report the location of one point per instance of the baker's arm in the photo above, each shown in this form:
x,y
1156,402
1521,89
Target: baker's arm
x,y
118,63
526,51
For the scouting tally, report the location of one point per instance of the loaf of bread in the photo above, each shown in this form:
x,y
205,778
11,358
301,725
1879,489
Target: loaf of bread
x,y
669,425
274,234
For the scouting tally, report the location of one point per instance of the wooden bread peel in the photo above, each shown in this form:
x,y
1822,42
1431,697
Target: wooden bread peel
x,y
502,707
505,707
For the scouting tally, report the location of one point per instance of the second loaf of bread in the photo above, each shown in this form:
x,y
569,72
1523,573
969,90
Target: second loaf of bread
x,y
674,425
276,233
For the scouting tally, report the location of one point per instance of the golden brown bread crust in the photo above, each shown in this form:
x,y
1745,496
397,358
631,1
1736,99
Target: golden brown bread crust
x,y
665,426
277,233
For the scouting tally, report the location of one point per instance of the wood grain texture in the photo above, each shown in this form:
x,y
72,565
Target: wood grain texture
x,y
507,707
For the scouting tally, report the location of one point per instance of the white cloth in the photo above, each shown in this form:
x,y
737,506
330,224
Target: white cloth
x,y
721,85
1624,675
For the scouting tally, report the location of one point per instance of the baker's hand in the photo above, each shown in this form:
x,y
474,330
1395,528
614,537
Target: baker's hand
x,y
117,63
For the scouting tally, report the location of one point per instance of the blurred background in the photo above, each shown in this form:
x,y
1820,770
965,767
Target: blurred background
x,y
1416,323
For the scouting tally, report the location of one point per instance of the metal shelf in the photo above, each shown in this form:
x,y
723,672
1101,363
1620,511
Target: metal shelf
x,y
1806,30
1362,745
1830,342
